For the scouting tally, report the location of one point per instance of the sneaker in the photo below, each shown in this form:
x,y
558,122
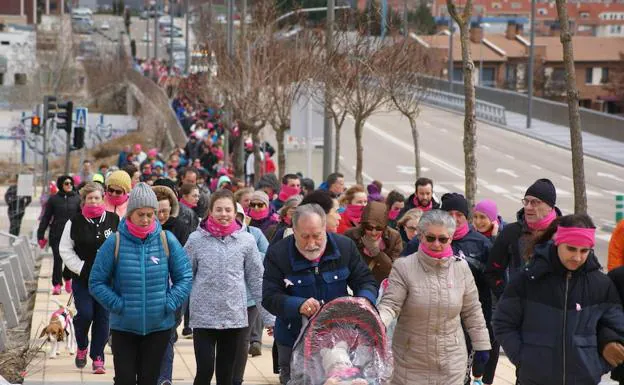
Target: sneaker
x,y
187,333
81,358
56,290
68,287
165,382
255,349
477,382
98,366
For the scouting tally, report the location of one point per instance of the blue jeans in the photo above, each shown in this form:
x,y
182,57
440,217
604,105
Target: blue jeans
x,y
166,364
90,314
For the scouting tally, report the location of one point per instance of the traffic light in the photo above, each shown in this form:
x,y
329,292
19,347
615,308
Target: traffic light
x,y
79,137
64,116
49,108
35,125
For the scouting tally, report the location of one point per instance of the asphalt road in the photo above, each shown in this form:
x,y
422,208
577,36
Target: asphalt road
x,y
507,164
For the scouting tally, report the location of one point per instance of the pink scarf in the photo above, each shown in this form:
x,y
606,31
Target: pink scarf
x,y
543,223
354,213
576,236
423,208
93,211
216,229
116,200
287,220
140,232
288,191
187,203
393,214
259,215
461,231
445,253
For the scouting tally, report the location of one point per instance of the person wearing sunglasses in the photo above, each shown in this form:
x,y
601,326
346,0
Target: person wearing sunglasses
x,y
378,244
61,207
509,252
432,293
118,185
260,212
561,315
408,224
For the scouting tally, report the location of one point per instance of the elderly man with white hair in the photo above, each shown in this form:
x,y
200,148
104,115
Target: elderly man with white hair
x,y
305,270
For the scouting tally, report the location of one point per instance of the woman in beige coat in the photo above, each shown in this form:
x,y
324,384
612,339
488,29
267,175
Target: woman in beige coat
x,y
432,292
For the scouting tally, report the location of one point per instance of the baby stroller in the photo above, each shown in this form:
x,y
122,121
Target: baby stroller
x,y
345,343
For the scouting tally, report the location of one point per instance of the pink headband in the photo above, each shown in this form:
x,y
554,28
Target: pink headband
x,y
577,236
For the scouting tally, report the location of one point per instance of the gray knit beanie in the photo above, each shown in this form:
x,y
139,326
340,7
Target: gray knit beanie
x,y
141,196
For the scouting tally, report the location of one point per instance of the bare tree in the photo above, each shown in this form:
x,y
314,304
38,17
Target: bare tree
x,y
462,18
406,85
576,135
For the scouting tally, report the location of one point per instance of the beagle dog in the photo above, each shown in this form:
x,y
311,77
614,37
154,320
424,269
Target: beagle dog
x,y
60,328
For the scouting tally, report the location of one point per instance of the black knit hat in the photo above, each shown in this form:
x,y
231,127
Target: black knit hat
x,y
544,190
454,201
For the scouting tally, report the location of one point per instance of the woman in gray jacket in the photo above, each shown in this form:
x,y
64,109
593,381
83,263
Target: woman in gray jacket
x,y
224,259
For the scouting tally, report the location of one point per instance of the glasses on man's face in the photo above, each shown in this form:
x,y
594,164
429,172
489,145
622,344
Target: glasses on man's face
x,y
255,205
67,183
432,238
114,191
368,227
531,202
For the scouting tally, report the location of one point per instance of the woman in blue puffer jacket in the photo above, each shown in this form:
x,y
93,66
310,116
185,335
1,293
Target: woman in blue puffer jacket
x,y
141,275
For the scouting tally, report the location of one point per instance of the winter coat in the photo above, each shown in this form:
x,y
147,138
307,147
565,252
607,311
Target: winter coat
x,y
262,244
290,279
432,298
616,247
264,224
135,286
508,253
119,210
16,205
606,335
475,249
188,218
345,223
221,269
380,264
178,229
60,208
81,239
547,320
276,232
409,204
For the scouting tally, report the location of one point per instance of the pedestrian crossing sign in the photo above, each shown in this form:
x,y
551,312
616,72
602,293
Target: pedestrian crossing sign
x,y
81,117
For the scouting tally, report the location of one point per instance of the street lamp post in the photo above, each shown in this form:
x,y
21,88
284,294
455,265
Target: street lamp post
x,y
450,55
186,37
531,60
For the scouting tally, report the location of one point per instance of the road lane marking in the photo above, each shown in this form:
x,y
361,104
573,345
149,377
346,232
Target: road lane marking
x,y
510,156
566,177
536,167
592,193
505,171
610,176
613,192
496,189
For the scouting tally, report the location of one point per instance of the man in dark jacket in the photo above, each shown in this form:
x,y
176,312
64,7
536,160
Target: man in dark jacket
x,y
16,209
60,208
548,318
422,198
306,270
508,253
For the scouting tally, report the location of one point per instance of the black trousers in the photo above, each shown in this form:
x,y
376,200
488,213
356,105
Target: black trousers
x,y
58,271
15,223
243,350
137,358
226,342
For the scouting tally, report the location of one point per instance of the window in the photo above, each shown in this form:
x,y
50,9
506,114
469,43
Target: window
x,y
589,75
584,15
515,5
604,76
542,11
20,79
1,78
496,5
458,74
488,75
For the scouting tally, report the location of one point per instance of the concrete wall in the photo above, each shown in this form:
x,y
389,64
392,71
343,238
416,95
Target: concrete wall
x,y
100,128
598,123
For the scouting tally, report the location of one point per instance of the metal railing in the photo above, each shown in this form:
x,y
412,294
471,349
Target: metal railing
x,y
489,112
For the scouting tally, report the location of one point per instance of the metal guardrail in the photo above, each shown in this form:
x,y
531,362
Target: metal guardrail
x,y
488,112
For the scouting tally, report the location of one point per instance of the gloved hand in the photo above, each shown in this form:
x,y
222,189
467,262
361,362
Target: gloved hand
x,y
371,246
42,243
482,357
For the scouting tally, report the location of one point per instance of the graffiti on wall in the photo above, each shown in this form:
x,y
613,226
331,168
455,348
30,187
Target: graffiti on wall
x,y
100,128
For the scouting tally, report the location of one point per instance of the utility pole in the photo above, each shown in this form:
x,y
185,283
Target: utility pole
x,y
240,146
156,31
171,29
384,18
229,109
405,21
531,61
450,55
147,37
186,38
327,121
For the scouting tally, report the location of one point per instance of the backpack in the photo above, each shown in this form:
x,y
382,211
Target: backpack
x,y
163,239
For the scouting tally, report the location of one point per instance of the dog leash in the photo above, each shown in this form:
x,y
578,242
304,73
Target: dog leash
x,y
70,300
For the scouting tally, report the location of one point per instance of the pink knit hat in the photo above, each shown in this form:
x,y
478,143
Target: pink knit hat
x,y
488,207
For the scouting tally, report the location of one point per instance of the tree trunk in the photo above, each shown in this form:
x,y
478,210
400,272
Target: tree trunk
x,y
337,147
470,120
359,151
416,146
576,138
281,152
255,137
